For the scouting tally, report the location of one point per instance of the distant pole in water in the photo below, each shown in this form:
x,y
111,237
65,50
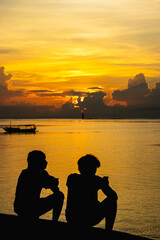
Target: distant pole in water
x,y
83,113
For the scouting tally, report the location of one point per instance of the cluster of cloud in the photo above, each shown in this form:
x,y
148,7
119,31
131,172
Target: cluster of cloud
x,y
49,93
93,101
71,93
5,93
138,94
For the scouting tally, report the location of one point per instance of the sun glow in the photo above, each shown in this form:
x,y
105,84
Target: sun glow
x,y
89,45
75,99
81,99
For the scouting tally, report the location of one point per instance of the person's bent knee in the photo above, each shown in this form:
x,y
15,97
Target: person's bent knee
x,y
112,201
60,195
57,197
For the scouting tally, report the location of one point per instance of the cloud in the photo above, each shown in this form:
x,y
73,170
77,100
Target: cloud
x,y
36,96
153,99
72,93
138,93
92,103
95,88
137,80
95,98
5,94
49,93
8,51
3,77
140,101
40,91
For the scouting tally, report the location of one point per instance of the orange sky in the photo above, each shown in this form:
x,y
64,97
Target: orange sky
x,y
69,45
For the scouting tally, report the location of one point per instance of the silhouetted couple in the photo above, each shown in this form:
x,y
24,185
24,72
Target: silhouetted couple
x,y
83,207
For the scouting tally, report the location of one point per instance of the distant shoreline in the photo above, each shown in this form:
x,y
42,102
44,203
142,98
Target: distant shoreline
x,y
108,112
70,118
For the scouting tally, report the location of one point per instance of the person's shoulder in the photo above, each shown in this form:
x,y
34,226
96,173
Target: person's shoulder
x,y
98,180
72,178
24,172
45,173
23,175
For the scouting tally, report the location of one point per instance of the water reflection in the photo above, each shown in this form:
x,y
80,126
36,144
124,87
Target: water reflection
x,y
129,153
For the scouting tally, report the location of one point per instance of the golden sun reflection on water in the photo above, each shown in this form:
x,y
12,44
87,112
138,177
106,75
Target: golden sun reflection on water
x,y
128,151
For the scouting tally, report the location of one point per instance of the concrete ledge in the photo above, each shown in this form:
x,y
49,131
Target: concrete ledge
x,y
13,228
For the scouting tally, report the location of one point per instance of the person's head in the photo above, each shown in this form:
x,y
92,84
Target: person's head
x,y
36,160
88,164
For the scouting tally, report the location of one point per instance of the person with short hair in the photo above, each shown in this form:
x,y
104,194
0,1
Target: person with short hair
x,y
28,204
83,207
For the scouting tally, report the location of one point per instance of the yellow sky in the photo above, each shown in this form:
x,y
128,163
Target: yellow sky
x,y
75,44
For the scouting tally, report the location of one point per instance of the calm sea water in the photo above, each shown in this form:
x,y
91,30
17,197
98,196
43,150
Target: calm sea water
x,y
129,151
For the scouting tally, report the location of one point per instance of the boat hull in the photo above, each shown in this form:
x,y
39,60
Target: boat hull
x,y
19,130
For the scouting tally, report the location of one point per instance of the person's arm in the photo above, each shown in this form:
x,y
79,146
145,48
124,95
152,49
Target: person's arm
x,y
51,182
107,190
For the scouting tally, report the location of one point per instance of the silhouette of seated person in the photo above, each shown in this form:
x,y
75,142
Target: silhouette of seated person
x,y
83,207
28,204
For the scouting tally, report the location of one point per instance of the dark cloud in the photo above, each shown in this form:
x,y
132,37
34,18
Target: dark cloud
x,y
3,77
141,101
92,104
153,99
137,81
93,100
4,92
8,51
94,107
73,93
48,93
68,110
138,94
40,91
95,88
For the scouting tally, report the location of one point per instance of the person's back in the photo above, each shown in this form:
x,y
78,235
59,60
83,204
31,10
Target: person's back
x,y
82,195
83,206
28,203
30,184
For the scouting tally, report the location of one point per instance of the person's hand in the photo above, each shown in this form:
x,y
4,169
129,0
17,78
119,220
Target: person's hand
x,y
53,184
55,190
56,181
105,180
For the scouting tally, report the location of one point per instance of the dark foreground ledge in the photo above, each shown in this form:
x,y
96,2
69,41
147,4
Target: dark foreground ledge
x,y
12,228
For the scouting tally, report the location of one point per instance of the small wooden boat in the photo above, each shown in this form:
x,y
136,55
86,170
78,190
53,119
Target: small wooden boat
x,y
31,128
